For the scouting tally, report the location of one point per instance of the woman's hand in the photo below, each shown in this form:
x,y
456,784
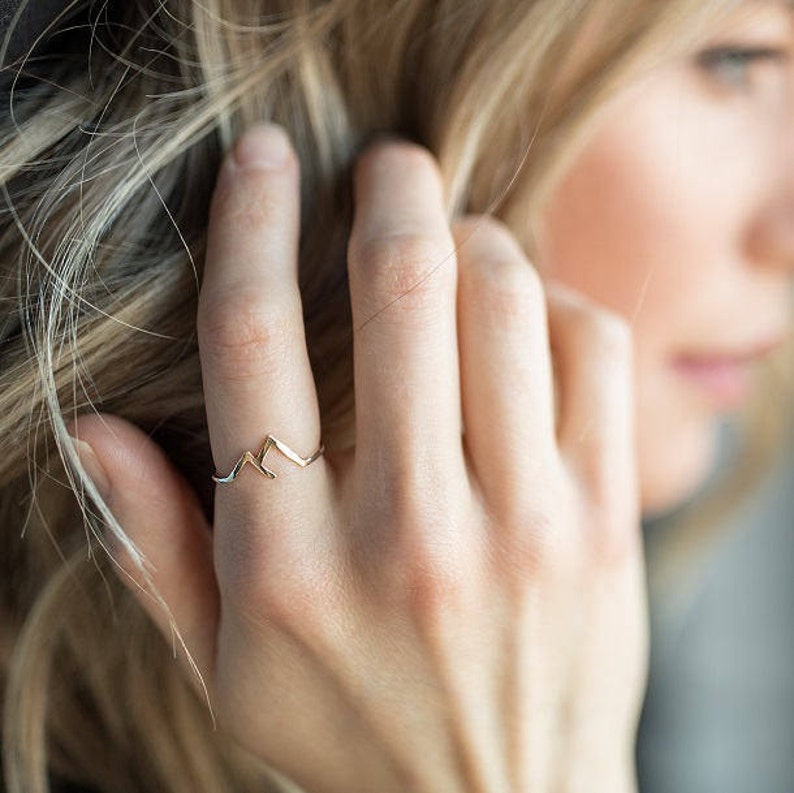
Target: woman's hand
x,y
434,611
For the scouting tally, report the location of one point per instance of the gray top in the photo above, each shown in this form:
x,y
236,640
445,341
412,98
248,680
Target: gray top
x,y
719,715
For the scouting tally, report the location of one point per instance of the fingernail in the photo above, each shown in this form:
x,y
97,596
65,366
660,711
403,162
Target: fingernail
x,y
94,468
262,146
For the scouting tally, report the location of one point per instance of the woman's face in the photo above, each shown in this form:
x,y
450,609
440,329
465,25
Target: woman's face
x,y
679,215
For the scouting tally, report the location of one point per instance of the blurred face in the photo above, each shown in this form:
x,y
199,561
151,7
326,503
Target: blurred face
x,y
679,215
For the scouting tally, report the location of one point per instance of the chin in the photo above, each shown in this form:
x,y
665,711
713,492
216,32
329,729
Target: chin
x,y
673,470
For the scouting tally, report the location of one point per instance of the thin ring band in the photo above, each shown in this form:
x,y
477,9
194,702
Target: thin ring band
x,y
257,460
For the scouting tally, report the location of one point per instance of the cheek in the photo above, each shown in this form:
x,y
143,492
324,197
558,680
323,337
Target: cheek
x,y
652,215
643,226
641,223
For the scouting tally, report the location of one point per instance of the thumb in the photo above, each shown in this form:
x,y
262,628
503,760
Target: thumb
x,y
169,567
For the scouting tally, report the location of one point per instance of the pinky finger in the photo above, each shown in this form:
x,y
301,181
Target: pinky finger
x,y
596,420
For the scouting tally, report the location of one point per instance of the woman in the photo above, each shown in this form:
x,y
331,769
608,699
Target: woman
x,y
472,358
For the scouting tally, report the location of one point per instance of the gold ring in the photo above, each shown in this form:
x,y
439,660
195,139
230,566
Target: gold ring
x,y
257,460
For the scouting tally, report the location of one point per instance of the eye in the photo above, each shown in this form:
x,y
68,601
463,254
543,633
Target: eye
x,y
731,64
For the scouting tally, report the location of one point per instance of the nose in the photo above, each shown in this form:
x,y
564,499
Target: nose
x,y
772,236
773,240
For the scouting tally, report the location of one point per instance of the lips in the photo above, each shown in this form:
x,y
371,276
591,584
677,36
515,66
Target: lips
x,y
725,376
726,383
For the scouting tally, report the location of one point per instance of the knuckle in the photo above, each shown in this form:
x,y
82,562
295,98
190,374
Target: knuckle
x,y
613,334
299,599
536,541
397,265
289,602
430,561
507,289
483,226
434,578
609,335
610,547
496,274
534,549
609,533
605,337
525,551
243,333
615,502
248,204
405,154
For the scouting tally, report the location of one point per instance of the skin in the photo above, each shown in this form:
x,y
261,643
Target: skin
x,y
679,216
418,614
431,612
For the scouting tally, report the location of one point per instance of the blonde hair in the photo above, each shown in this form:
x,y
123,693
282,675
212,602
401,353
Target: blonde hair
x,y
107,160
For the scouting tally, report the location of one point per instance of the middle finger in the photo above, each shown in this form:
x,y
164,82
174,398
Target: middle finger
x,y
403,279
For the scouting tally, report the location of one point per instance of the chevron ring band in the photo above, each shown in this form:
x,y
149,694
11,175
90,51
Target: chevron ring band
x,y
257,460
